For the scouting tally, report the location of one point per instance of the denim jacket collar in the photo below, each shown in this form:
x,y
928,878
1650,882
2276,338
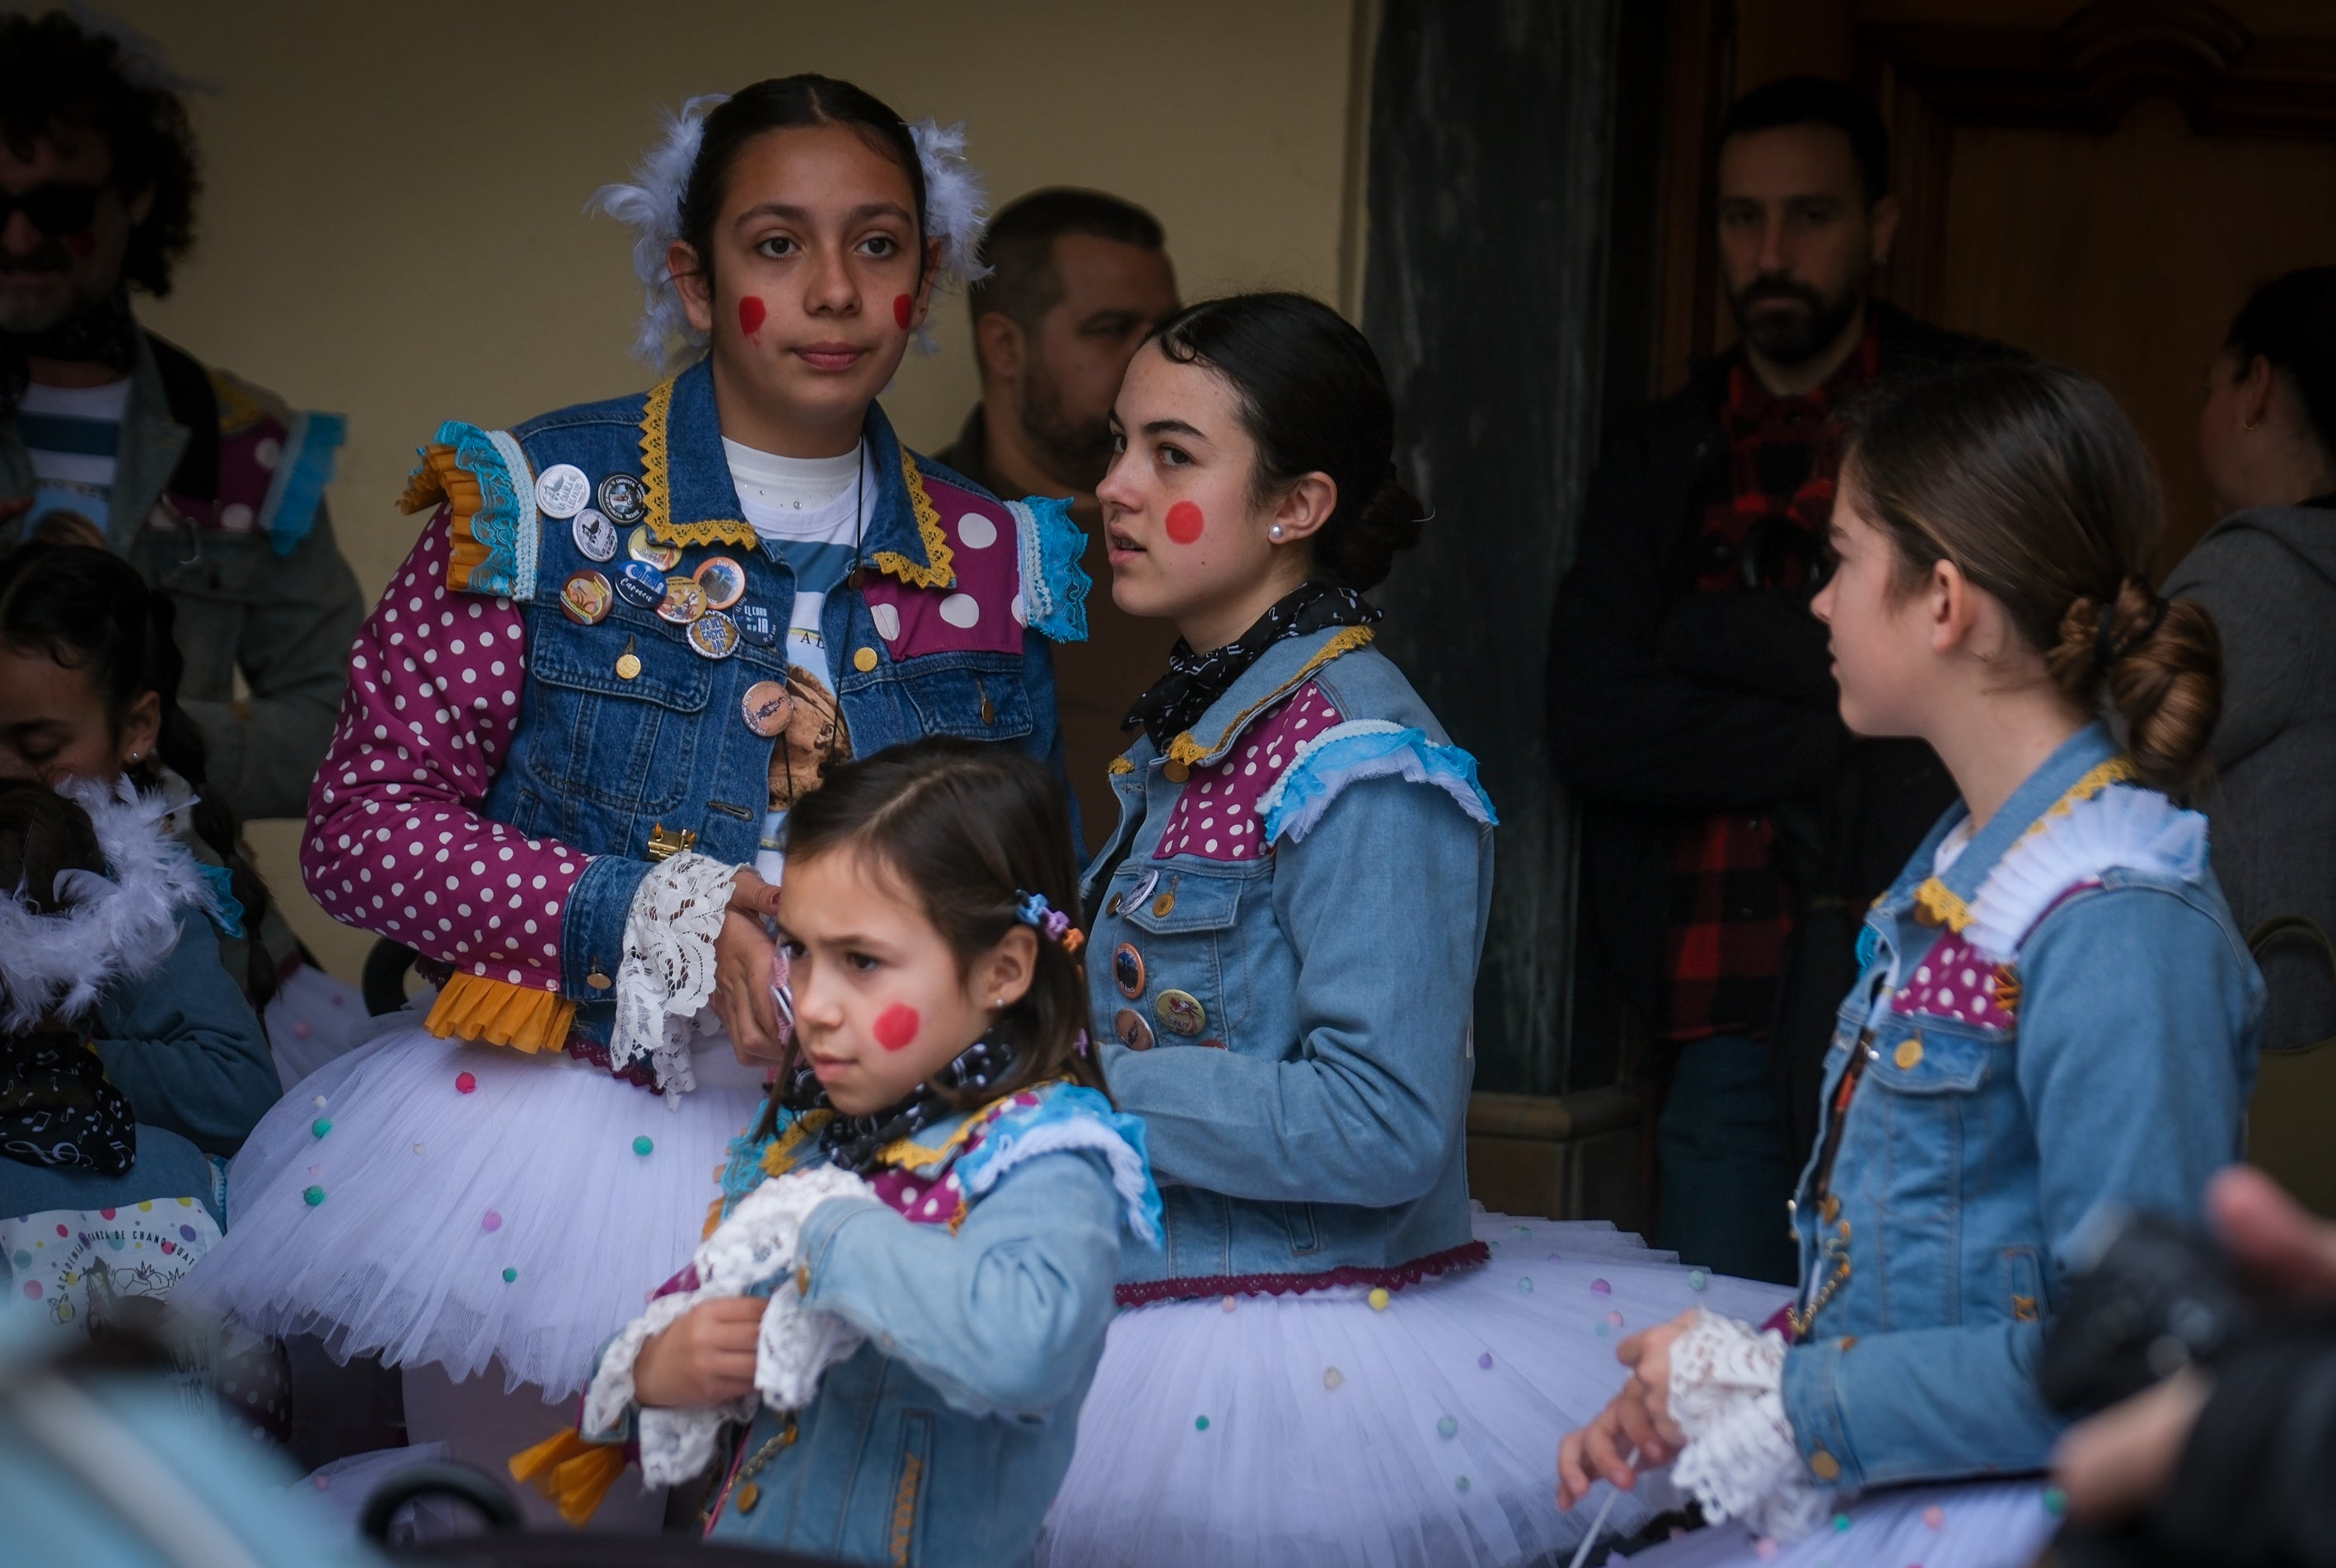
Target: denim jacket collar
x,y
693,500
1279,670
2077,756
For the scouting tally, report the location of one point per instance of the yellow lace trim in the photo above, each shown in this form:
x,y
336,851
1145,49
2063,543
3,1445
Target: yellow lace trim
x,y
780,1157
1941,907
475,1007
938,568
1191,752
1120,764
441,479
656,478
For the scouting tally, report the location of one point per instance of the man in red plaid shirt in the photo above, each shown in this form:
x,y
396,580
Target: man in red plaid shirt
x,y
1735,831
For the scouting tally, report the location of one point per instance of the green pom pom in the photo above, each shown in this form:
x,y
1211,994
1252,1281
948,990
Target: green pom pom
x,y
321,1126
1199,1423
1696,1279
315,1195
509,1275
1840,1524
2055,1502
1460,1482
643,1144
1447,1426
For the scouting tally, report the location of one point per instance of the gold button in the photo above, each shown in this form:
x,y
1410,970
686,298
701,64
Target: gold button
x,y
1116,900
803,1278
1825,1466
748,1495
628,666
1830,1209
1162,906
598,980
1177,772
1909,1054
865,660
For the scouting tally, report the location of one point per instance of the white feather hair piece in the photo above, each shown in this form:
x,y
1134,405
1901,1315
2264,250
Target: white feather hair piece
x,y
114,928
956,213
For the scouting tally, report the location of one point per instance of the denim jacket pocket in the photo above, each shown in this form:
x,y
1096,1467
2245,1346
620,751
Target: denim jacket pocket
x,y
1929,1058
626,746
975,696
1187,968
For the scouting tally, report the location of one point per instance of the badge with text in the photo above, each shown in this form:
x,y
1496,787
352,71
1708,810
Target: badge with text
x,y
684,601
767,707
596,536
724,580
640,585
562,490
715,635
642,548
624,499
754,624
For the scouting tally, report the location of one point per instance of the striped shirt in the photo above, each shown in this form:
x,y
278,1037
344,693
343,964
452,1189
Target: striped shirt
x,y
71,433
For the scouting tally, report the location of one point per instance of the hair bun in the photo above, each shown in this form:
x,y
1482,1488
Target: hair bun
x,y
2162,662
1356,550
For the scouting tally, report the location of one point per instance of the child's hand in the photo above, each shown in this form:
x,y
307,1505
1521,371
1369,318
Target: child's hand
x,y
745,964
704,1358
1635,1432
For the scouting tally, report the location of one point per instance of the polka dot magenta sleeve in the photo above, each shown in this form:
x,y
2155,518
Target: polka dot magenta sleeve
x,y
396,845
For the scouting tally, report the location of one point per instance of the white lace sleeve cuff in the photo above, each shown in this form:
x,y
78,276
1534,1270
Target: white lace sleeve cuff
x,y
667,975
1740,1462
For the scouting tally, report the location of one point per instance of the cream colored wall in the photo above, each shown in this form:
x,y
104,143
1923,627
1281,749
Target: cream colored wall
x,y
393,225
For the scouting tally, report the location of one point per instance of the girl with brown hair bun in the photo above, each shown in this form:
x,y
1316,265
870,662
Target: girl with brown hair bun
x,y
2054,1011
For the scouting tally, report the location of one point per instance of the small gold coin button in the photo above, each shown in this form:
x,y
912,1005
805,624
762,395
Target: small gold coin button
x,y
1909,1054
865,660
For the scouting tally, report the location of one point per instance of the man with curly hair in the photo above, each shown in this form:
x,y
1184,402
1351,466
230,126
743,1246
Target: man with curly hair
x,y
213,488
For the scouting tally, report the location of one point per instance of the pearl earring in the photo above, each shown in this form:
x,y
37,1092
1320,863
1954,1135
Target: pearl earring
x,y
1274,533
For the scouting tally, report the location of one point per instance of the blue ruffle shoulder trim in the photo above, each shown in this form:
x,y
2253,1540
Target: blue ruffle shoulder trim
x,y
506,523
1071,1117
226,910
312,450
1346,752
1054,587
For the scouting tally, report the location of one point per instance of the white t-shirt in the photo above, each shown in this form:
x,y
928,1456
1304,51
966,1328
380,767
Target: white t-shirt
x,y
71,433
812,510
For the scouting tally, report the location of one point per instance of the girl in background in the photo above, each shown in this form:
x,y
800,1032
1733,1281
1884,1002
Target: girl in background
x,y
2054,1013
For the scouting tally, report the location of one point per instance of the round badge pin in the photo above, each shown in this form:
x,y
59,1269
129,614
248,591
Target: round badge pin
x,y
640,585
724,580
754,625
1182,1012
642,548
562,490
767,707
595,535
713,634
1127,970
684,601
624,498
1133,1031
586,598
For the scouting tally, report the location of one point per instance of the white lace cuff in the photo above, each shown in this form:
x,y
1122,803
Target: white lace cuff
x,y
755,1246
667,975
1740,1462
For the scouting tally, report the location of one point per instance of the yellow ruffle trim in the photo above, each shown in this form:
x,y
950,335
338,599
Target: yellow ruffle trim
x,y
574,1473
1120,764
940,567
1191,752
475,1007
441,479
1936,905
656,478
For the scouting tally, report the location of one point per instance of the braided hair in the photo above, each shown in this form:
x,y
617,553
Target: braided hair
x,y
88,609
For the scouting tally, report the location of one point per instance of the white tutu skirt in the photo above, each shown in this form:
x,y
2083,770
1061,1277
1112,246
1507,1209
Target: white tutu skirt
x,y
386,1208
1968,1525
1314,1428
311,1019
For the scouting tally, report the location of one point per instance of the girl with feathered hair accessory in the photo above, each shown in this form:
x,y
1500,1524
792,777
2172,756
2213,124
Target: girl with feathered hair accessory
x,y
669,617
127,1057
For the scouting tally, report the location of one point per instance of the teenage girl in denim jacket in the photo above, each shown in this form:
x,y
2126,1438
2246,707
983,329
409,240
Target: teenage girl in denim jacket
x,y
1334,1357
2054,1013
631,635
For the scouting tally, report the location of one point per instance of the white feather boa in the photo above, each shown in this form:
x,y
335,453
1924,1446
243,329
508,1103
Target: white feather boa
x,y
113,928
956,213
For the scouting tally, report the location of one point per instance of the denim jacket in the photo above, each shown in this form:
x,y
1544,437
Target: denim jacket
x,y
576,752
1286,928
981,1276
2065,1016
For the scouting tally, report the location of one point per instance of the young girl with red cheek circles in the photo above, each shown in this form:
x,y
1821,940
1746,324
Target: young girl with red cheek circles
x,y
633,636
1334,1359
2055,1011
880,1350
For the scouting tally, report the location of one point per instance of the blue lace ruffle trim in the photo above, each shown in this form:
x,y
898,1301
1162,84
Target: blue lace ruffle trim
x,y
1069,1118
311,452
506,519
1054,587
1352,752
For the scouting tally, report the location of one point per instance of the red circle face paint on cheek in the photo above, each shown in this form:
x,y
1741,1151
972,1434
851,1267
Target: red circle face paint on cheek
x,y
1185,522
751,313
897,1026
903,308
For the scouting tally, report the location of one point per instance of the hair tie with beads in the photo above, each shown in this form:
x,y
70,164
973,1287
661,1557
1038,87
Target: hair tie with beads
x,y
1052,923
